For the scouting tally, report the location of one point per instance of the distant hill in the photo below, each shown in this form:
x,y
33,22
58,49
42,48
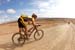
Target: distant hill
x,y
49,19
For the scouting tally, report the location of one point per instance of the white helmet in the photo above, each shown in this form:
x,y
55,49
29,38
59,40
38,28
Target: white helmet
x,y
23,15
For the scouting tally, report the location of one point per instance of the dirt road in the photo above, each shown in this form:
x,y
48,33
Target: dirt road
x,y
59,37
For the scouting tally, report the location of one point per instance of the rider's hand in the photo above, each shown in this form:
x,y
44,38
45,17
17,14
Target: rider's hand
x,y
37,24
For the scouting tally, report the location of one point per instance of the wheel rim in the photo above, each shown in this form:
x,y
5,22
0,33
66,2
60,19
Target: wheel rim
x,y
17,39
38,35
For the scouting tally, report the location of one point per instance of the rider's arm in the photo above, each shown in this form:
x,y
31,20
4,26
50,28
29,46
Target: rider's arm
x,y
33,22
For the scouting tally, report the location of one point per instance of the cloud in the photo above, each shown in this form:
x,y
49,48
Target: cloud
x,y
45,7
11,11
65,9
4,18
2,11
27,11
55,8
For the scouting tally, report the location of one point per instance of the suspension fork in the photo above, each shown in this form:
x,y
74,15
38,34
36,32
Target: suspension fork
x,y
36,31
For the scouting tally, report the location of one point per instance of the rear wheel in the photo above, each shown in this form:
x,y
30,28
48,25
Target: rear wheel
x,y
18,39
38,35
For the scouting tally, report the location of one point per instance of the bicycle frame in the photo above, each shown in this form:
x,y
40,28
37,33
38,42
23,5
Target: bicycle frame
x,y
32,29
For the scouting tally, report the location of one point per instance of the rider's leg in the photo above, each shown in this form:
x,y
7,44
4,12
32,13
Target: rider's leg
x,y
26,31
19,29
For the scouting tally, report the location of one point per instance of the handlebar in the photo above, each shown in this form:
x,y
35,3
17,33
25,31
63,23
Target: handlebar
x,y
37,25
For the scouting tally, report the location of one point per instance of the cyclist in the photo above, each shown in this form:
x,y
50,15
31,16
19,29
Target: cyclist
x,y
24,20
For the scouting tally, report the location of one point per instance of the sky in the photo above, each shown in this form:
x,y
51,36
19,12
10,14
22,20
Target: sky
x,y
11,10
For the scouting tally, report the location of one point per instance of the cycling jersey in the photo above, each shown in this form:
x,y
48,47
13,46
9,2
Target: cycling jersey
x,y
23,21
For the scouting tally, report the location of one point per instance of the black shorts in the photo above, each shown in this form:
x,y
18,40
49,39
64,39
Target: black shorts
x,y
20,25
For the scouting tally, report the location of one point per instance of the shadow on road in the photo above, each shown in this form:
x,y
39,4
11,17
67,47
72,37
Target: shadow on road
x,y
10,46
28,42
7,46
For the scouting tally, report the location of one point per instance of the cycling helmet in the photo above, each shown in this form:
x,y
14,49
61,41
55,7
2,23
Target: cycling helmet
x,y
34,15
23,15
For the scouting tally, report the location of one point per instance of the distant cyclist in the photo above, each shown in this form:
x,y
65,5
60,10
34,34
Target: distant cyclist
x,y
24,20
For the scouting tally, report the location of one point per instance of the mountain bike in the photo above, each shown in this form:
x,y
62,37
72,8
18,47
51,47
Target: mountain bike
x,y
19,38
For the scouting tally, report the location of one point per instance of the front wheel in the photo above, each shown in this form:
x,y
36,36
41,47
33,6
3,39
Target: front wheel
x,y
18,39
38,34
